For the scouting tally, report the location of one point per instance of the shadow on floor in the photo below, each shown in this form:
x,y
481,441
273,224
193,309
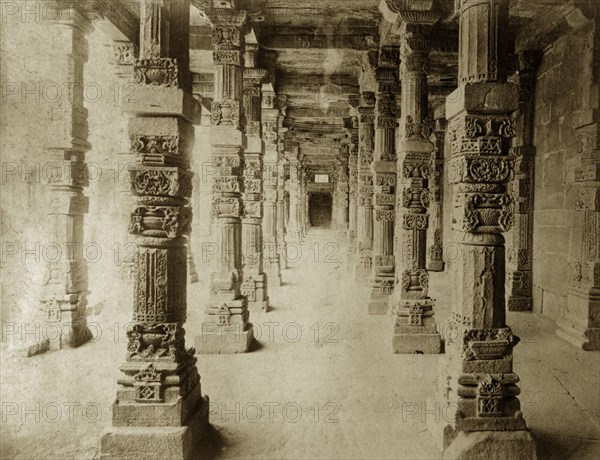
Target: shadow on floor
x,y
212,444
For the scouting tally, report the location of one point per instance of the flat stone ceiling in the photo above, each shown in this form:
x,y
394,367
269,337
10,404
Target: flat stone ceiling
x,y
320,48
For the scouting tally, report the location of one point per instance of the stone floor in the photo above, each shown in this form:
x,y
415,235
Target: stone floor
x,y
321,383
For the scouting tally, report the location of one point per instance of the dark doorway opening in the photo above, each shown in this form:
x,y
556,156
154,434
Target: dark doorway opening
x,y
320,209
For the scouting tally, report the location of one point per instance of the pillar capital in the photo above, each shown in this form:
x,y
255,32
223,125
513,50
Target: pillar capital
x,y
354,100
414,11
367,101
224,19
254,76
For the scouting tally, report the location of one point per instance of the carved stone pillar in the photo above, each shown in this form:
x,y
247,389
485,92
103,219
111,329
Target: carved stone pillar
x,y
293,225
65,284
123,57
226,328
159,409
520,239
383,168
303,203
435,240
341,192
281,230
270,121
581,324
364,215
480,385
353,187
414,324
254,284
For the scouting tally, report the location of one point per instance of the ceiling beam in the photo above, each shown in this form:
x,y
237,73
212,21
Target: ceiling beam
x,y
309,38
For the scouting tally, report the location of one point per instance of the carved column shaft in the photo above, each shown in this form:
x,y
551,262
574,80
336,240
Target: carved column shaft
x,y
124,55
303,200
65,286
435,241
482,40
414,324
384,182
226,328
270,120
581,324
520,241
353,186
254,284
160,389
364,230
481,384
293,225
281,229
341,191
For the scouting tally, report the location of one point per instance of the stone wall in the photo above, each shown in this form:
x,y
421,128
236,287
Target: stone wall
x,y
562,96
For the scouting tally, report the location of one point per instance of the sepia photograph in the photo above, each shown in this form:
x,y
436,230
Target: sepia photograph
x,y
299,229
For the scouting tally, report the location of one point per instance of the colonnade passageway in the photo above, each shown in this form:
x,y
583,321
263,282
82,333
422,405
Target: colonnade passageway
x,y
320,382
300,229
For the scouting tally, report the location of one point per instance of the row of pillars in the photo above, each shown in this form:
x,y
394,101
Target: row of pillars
x,y
393,204
395,225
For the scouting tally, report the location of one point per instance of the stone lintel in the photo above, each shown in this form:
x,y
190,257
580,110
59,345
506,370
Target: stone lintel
x,y
157,101
483,97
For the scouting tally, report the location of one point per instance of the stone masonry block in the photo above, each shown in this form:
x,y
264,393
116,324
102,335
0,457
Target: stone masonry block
x,y
483,97
162,101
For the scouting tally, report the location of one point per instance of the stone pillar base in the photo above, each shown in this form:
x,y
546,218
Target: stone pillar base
x,y
225,341
414,328
581,324
259,305
157,442
362,270
417,342
254,288
587,339
282,246
492,445
72,337
520,304
435,265
274,277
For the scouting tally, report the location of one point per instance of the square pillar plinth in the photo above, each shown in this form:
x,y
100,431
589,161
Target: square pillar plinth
x,y
382,287
226,329
415,331
362,268
254,289
157,442
581,324
221,340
